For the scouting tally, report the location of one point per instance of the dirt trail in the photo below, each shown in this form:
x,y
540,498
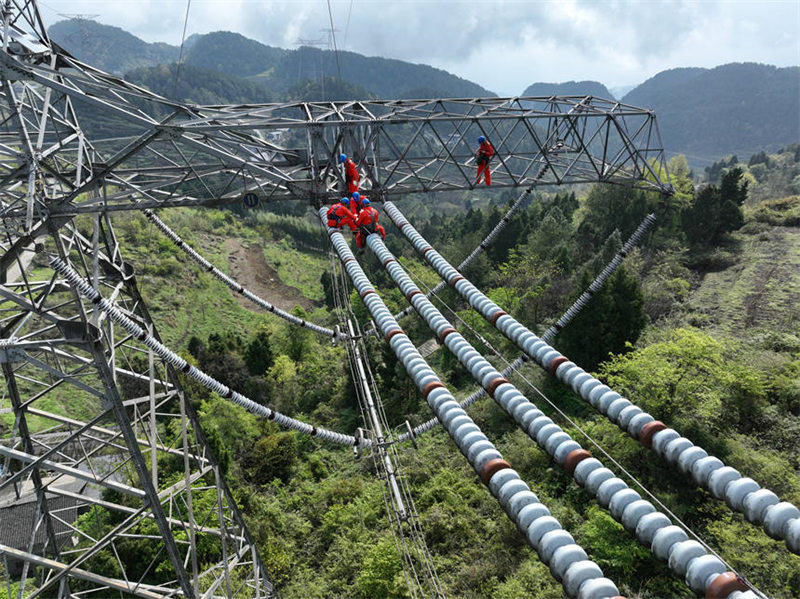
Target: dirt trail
x,y
250,268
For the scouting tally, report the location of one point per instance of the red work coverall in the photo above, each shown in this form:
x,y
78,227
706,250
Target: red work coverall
x,y
339,215
351,175
367,224
357,205
485,153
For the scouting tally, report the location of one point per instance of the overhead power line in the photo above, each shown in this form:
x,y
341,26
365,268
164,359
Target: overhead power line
x,y
180,53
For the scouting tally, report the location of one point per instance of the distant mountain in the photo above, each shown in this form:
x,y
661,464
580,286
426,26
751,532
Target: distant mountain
x,y
200,86
737,108
568,88
620,90
108,48
117,51
281,69
740,108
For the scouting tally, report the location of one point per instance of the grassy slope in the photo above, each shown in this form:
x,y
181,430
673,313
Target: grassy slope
x,y
758,294
186,302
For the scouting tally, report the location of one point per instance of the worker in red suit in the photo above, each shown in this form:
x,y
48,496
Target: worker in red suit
x,y
356,204
367,224
339,215
485,153
351,176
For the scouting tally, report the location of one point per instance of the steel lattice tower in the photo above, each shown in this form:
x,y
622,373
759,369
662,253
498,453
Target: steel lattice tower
x,y
132,468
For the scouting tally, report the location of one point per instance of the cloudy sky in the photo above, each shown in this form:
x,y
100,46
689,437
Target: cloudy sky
x,y
503,45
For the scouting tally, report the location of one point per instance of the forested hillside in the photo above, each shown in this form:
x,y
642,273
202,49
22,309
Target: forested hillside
x,y
701,326
279,70
200,86
739,108
109,48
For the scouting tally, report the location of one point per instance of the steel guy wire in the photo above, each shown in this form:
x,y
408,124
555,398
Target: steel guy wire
x,y
180,54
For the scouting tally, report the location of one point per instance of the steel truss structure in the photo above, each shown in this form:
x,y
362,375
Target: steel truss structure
x,y
131,468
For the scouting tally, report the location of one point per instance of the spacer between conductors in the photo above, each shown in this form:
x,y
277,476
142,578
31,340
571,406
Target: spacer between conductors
x,y
555,363
385,262
445,333
412,294
492,387
575,457
649,430
725,584
366,293
491,468
497,315
456,280
430,387
392,333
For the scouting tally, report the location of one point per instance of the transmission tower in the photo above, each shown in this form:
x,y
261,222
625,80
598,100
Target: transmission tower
x,y
132,468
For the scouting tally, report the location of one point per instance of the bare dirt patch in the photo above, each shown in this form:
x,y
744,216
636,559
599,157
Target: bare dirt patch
x,y
249,267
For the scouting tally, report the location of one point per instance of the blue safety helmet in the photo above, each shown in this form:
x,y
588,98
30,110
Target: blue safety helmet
x,y
481,139
365,202
356,196
342,157
346,202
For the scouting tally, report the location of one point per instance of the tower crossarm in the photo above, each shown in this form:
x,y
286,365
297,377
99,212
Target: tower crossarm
x,y
68,128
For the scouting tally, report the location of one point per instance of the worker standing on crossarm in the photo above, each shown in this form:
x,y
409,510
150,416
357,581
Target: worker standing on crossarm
x,y
351,176
485,153
367,224
339,215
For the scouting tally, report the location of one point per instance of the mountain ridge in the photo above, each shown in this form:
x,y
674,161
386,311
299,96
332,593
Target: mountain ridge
x,y
709,113
704,113
115,50
589,88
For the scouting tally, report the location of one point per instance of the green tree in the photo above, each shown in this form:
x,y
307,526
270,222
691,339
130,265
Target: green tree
x,y
612,320
271,457
379,573
610,207
258,355
284,380
716,211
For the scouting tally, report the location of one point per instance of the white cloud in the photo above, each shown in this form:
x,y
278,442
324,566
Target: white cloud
x,y
502,44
